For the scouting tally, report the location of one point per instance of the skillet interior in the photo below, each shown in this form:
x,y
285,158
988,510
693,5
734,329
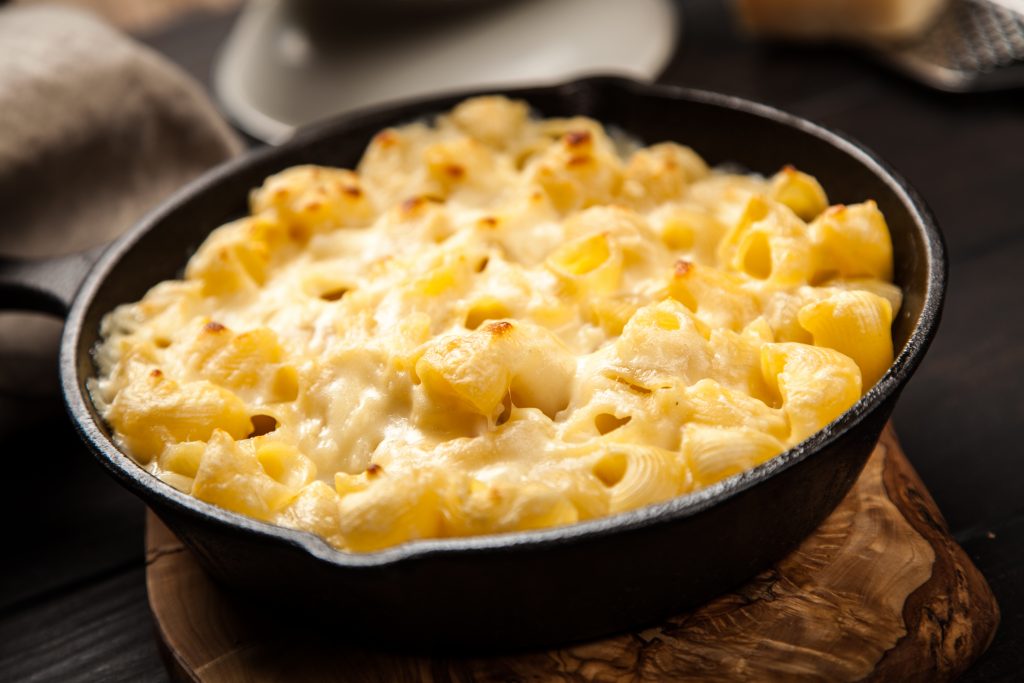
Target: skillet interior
x,y
566,583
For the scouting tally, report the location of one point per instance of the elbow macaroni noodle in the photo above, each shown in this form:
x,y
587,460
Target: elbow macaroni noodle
x,y
498,323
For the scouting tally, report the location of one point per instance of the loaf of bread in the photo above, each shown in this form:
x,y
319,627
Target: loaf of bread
x,y
859,20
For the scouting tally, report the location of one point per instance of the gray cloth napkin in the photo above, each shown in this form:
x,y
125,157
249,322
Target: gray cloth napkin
x,y
95,130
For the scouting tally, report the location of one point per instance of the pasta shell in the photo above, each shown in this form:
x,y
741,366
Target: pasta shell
x,y
715,453
637,475
857,324
814,385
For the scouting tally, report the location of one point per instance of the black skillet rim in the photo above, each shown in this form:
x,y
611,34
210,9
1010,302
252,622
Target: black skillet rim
x,y
148,486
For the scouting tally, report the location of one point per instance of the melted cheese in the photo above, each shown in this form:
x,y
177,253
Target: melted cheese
x,y
498,323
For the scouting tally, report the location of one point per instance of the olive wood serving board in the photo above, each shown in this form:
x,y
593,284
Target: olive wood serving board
x,y
880,591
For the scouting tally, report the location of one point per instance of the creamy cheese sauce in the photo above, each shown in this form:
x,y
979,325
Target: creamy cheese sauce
x,y
498,323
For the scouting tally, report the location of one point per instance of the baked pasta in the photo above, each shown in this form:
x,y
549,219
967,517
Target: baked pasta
x,y
496,323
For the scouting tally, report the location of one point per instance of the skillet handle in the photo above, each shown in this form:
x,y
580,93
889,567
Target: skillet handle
x,y
45,285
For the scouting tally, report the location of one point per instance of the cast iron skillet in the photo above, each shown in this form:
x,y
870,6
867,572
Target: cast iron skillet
x,y
530,588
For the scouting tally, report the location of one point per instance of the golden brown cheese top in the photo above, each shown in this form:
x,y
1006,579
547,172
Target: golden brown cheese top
x,y
497,323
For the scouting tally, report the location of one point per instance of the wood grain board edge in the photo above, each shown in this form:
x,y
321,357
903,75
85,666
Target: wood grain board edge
x,y
953,617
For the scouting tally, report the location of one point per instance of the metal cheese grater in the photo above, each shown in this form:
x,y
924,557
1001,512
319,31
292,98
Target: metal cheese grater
x,y
975,45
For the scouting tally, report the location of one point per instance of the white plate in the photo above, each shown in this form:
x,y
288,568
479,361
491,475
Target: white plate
x,y
271,78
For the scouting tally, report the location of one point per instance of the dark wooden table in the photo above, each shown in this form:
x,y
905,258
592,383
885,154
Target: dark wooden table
x,y
72,597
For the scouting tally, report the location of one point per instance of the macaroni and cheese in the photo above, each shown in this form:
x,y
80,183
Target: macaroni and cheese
x,y
496,323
